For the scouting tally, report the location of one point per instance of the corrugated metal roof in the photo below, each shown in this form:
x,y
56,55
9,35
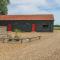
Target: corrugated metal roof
x,y
27,17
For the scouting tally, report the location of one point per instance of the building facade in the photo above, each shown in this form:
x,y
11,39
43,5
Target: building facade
x,y
27,23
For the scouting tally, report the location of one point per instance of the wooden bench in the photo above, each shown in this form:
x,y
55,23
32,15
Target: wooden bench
x,y
9,38
29,38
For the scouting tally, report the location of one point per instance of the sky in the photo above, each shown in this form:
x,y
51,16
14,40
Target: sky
x,y
21,7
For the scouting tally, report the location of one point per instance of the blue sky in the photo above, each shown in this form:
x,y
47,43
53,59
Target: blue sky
x,y
20,7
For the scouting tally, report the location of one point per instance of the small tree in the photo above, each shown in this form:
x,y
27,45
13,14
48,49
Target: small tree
x,y
3,7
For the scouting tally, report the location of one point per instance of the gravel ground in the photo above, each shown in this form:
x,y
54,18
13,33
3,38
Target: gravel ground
x,y
46,48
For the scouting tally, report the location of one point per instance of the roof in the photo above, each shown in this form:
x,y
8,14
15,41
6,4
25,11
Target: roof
x,y
27,17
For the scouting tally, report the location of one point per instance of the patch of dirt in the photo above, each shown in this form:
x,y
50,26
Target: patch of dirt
x,y
46,48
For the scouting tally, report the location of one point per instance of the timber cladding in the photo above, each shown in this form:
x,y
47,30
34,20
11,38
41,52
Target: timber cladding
x,y
28,23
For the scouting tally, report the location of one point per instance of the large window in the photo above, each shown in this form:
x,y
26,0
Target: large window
x,y
24,26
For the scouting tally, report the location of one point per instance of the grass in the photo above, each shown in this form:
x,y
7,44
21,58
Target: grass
x,y
56,28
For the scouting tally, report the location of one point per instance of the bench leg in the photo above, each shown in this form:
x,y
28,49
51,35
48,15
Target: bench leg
x,y
39,37
29,39
21,41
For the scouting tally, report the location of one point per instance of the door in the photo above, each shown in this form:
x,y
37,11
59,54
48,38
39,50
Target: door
x,y
9,27
33,27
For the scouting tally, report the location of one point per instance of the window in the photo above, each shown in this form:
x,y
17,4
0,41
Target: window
x,y
45,26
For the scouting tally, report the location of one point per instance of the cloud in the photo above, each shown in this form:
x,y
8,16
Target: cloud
x,y
34,6
22,7
50,5
57,1
19,7
19,1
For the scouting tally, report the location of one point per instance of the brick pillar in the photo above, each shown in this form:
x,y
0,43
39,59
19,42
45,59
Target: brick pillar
x,y
33,27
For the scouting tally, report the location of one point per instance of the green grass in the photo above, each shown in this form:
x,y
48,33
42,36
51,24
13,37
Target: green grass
x,y
56,28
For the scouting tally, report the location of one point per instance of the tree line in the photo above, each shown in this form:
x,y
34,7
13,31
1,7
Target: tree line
x,y
56,25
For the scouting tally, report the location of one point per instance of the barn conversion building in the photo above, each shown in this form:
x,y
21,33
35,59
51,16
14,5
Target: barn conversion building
x,y
27,23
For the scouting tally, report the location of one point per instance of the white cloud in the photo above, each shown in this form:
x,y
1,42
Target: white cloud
x,y
39,2
57,1
24,7
19,1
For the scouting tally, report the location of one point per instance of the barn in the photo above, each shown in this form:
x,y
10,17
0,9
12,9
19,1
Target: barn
x,y
27,23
